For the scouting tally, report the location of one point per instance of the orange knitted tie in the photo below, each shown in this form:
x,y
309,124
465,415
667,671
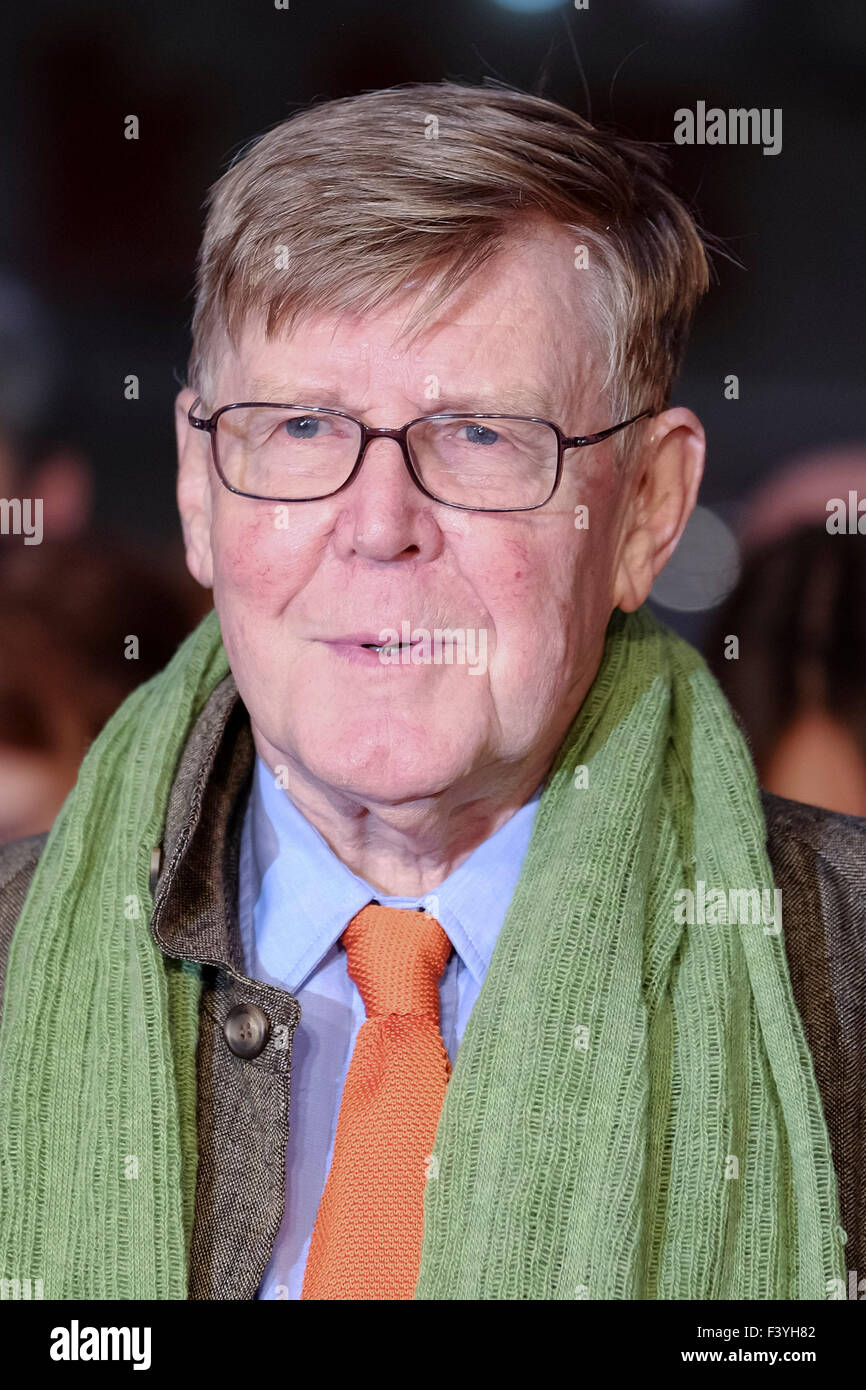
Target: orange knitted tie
x,y
367,1238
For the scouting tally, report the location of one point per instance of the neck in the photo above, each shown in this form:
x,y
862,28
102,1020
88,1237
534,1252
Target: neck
x,y
408,848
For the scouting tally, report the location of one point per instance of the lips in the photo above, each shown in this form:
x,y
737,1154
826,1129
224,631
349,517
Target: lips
x,y
370,641
364,650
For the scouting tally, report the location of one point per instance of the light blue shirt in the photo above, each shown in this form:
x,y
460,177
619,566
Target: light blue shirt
x,y
296,899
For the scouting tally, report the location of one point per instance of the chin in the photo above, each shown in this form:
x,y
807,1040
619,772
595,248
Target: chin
x,y
398,764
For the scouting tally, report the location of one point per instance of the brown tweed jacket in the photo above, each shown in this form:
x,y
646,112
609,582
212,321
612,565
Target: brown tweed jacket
x,y
819,862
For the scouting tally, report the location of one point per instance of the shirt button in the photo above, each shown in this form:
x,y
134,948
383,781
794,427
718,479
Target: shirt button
x,y
247,1029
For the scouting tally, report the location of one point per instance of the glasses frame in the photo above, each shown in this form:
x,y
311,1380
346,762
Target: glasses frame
x,y
370,432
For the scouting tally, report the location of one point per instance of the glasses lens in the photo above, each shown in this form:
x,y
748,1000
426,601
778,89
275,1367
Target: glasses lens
x,y
478,462
269,451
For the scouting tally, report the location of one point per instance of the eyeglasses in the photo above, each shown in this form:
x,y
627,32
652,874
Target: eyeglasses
x,y
302,453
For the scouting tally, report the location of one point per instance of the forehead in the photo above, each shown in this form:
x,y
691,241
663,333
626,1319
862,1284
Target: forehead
x,y
517,336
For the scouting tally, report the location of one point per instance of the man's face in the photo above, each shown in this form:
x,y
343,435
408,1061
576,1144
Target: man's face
x,y
291,585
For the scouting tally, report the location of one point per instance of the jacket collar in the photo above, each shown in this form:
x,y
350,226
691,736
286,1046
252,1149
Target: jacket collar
x,y
194,870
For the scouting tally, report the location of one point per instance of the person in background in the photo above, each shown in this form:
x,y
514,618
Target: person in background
x,y
82,623
799,613
39,458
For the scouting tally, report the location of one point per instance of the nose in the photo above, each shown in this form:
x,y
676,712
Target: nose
x,y
386,516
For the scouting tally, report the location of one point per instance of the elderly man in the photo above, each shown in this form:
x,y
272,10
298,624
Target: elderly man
x,y
414,934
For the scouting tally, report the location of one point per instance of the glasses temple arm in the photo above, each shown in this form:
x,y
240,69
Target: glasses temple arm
x,y
195,420
579,439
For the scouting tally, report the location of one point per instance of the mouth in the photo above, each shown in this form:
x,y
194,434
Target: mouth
x,y
370,641
366,649
387,647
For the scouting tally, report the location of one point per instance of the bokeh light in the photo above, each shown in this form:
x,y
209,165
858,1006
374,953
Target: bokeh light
x,y
530,6
703,569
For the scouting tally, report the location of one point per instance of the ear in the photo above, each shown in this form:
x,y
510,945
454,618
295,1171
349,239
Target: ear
x,y
663,492
194,490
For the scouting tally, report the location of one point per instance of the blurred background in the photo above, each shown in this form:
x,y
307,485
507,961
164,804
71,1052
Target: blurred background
x,y
98,236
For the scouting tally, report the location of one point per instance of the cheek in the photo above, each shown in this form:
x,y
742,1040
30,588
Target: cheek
x,y
258,561
549,591
528,586
534,573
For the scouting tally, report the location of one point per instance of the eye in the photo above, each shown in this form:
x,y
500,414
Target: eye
x,y
306,427
479,434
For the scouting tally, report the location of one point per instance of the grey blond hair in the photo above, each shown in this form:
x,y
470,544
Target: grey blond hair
x,y
363,201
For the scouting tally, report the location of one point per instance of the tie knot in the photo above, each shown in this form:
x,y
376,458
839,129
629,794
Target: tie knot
x,y
396,957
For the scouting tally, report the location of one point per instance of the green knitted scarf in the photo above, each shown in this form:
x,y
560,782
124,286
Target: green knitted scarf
x,y
633,1112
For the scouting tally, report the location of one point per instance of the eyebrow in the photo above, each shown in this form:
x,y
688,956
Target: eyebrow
x,y
509,400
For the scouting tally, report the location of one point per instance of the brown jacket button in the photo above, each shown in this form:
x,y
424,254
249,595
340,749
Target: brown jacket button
x,y
247,1029
155,869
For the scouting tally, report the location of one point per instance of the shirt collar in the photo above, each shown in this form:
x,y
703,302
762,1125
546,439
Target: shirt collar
x,y
297,897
